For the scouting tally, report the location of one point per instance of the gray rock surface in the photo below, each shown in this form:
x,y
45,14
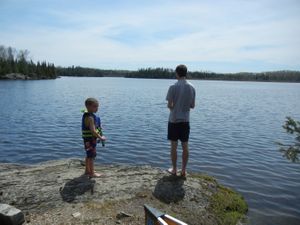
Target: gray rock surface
x,y
51,192
10,215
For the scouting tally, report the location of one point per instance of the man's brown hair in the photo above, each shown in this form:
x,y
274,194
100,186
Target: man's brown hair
x,y
181,70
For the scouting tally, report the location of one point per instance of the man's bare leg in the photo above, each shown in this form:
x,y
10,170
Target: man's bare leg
x,y
174,156
185,156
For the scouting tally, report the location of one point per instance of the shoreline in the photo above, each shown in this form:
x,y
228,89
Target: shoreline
x,y
50,192
17,76
148,78
20,76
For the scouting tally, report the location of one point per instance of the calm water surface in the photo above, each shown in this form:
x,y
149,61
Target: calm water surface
x,y
234,127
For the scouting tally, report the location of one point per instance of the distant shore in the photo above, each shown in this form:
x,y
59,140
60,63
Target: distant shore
x,y
55,191
160,73
163,73
16,65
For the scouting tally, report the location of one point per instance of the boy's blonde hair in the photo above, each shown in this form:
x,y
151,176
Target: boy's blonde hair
x,y
90,101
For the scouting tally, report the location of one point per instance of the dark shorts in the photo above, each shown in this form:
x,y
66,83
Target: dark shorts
x,y
90,147
179,131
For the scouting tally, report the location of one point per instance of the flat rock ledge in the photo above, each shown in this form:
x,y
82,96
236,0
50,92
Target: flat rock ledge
x,y
57,192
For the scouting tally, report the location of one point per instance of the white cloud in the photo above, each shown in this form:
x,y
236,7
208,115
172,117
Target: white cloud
x,y
173,31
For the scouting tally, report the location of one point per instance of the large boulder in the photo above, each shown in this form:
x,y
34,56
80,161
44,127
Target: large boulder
x,y
10,215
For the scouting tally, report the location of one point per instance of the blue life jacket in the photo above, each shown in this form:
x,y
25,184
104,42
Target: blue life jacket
x,y
86,132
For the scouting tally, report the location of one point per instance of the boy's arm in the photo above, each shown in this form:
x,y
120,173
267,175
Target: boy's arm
x,y
91,125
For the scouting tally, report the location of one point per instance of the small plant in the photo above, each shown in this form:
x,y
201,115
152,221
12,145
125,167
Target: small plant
x,y
291,151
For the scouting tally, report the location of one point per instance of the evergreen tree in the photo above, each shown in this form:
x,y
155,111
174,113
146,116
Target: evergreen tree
x,y
291,151
13,61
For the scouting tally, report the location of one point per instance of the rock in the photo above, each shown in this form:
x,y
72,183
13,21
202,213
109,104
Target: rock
x,y
170,189
10,215
19,76
122,214
82,162
27,217
36,189
76,187
76,214
16,76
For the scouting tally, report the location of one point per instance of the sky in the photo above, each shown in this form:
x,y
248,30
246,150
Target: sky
x,y
206,35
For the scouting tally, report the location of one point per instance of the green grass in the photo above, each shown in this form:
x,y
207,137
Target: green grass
x,y
204,177
228,206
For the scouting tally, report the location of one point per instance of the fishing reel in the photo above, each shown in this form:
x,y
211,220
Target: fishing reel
x,y
102,142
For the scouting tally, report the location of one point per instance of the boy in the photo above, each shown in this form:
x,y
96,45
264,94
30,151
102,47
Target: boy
x,y
181,98
91,126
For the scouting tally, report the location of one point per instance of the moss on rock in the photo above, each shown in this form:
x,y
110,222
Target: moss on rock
x,y
228,205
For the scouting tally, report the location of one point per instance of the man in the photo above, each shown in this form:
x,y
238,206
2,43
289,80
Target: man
x,y
181,98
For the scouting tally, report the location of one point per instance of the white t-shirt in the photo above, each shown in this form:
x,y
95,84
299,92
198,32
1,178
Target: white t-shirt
x,y
182,94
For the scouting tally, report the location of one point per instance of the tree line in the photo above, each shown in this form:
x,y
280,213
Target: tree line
x,y
162,73
14,61
79,71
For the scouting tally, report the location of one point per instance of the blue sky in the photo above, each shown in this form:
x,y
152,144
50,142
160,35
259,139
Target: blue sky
x,y
211,35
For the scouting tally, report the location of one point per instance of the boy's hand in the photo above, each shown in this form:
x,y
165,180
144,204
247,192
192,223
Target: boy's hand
x,y
102,138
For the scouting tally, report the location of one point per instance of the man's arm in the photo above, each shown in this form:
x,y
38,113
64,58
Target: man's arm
x,y
193,100
170,104
193,105
169,98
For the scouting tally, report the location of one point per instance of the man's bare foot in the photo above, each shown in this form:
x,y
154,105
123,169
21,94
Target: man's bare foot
x,y
87,173
171,171
183,173
96,175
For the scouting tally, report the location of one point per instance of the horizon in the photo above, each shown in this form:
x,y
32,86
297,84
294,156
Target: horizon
x,y
221,37
204,71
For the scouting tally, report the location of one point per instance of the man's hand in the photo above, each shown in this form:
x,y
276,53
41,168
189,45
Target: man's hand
x,y
170,105
193,105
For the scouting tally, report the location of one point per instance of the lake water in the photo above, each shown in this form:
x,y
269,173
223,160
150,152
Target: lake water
x,y
233,132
